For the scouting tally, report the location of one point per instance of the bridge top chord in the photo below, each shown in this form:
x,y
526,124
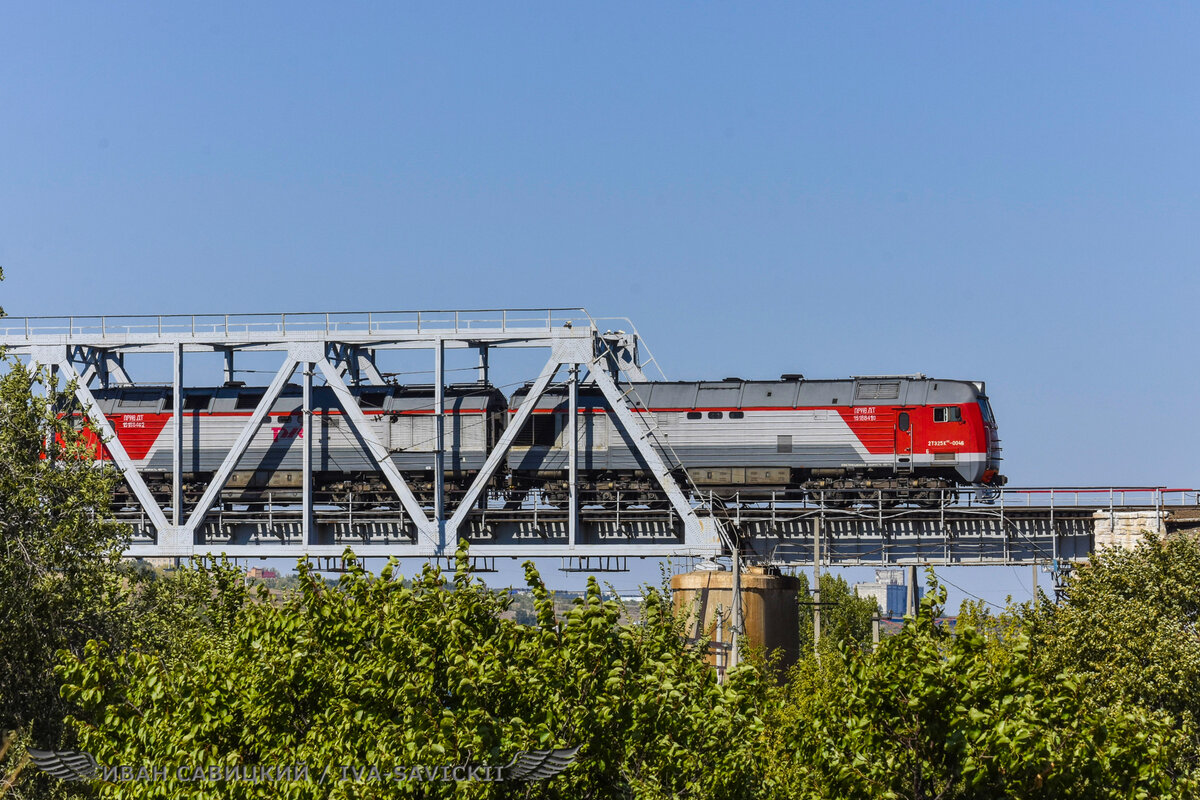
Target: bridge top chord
x,y
468,323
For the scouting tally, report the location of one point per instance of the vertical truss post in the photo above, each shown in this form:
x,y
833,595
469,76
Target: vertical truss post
x,y
573,433
229,365
483,363
98,369
307,491
439,447
177,437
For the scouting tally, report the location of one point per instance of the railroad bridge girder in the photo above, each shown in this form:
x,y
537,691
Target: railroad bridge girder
x,y
339,346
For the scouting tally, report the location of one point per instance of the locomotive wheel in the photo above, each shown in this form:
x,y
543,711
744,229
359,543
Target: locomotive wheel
x,y
838,500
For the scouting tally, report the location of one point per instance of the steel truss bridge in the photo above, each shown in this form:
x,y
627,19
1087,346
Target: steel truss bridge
x,y
1013,526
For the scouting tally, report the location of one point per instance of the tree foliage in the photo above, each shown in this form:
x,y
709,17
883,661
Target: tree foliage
x,y
58,550
845,617
1129,627
930,714
374,672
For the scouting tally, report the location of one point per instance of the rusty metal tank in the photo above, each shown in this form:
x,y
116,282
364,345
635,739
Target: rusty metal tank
x,y
770,610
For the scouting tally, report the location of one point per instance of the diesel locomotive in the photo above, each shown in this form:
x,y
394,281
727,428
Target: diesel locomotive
x,y
868,439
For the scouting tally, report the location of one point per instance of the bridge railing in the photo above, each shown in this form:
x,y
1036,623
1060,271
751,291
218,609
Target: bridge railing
x,y
1097,497
1101,496
331,323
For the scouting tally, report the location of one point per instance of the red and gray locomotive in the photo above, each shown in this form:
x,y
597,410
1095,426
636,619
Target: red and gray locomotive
x,y
869,439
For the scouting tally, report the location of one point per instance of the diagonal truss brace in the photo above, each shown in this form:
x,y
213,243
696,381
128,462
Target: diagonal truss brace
x,y
501,449
695,531
99,363
241,444
358,362
117,450
425,528
641,441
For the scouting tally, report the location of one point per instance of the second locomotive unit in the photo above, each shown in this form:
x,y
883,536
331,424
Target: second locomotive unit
x,y
906,438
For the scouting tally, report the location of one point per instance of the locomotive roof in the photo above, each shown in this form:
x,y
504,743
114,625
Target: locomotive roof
x,y
158,399
791,393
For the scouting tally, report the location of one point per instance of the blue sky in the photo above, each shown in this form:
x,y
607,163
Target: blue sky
x,y
1005,192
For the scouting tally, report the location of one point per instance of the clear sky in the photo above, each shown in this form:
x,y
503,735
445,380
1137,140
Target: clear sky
x,y
1006,192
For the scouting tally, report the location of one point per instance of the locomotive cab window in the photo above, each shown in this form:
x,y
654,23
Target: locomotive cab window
x,y
947,414
248,400
539,431
371,399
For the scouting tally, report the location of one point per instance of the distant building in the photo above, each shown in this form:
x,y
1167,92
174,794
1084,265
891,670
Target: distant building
x,y
259,572
889,592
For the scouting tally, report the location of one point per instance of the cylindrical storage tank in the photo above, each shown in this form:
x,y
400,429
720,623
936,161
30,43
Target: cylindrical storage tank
x,y
770,611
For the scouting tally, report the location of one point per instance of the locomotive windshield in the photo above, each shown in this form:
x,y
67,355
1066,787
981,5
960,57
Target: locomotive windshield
x,y
986,408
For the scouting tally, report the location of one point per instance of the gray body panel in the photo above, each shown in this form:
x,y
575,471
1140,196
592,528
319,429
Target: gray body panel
x,y
793,424
401,417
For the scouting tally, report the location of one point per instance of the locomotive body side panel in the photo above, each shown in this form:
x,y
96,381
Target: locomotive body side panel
x,y
845,427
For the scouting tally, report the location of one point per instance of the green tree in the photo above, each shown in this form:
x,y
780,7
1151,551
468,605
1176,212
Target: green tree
x,y
59,575
1129,628
376,672
178,614
58,550
845,617
931,715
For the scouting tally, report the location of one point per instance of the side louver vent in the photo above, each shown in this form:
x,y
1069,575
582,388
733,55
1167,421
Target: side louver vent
x,y
877,390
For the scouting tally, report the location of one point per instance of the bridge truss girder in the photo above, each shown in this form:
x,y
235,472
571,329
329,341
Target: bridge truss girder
x,y
84,356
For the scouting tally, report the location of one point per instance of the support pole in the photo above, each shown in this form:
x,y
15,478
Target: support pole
x,y
875,629
306,434
177,439
735,621
816,591
573,433
229,365
439,451
1035,587
911,594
